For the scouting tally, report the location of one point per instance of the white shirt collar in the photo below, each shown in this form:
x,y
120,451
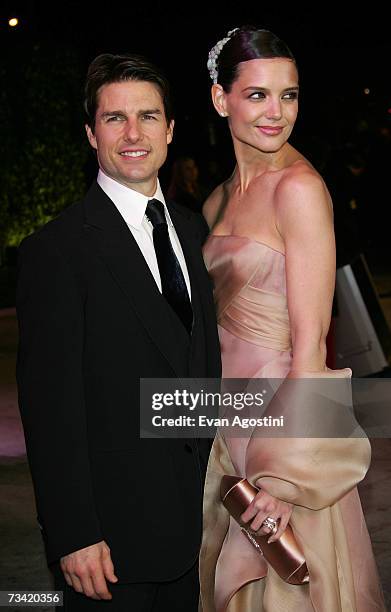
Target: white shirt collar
x,y
130,203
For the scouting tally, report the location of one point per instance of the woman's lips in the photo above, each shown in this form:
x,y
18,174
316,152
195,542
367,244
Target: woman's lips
x,y
270,131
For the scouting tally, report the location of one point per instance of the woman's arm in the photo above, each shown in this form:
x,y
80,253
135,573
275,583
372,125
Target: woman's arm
x,y
304,219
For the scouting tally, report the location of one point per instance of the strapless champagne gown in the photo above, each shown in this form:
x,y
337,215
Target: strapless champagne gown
x,y
319,476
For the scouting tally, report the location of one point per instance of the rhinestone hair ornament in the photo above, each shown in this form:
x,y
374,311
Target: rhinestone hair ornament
x,y
214,55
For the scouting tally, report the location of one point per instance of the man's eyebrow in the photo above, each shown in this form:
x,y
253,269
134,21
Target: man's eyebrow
x,y
110,113
152,111
258,88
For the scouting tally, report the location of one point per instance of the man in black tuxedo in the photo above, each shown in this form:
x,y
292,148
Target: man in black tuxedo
x,y
98,310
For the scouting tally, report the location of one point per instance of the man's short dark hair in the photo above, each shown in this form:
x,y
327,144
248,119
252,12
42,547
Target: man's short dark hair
x,y
107,68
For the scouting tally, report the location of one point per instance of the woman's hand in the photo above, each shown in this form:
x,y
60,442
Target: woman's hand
x,y
264,506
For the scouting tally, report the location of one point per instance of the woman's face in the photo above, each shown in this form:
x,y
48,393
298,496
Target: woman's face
x,y
263,102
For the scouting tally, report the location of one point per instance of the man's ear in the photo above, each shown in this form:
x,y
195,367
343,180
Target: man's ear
x,y
219,100
91,137
170,131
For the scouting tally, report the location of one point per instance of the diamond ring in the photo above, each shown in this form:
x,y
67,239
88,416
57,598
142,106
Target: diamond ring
x,y
270,523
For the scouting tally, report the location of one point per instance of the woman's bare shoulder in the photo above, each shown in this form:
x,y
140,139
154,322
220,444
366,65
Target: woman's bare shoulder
x,y
302,201
301,184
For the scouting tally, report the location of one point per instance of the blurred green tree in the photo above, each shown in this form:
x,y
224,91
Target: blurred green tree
x,y
43,148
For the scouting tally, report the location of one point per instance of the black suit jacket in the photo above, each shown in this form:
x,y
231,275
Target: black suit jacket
x,y
92,322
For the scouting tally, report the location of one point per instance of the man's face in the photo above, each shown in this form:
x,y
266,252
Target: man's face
x,y
131,133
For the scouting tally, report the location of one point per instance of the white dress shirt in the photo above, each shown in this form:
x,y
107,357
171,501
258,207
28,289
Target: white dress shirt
x,y
132,206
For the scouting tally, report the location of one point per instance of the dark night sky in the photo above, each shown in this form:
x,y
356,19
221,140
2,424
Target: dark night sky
x,y
339,54
338,50
333,48
189,30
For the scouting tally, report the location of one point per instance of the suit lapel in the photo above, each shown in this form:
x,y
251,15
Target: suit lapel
x,y
109,235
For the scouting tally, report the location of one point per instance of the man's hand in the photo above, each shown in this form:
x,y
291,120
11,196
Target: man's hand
x,y
87,570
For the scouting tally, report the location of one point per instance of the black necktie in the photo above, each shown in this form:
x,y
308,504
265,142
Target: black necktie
x,y
173,283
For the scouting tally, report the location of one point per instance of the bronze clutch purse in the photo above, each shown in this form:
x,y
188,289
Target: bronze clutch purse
x,y
285,555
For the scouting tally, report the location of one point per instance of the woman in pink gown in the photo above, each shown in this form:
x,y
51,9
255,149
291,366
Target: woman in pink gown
x,y
271,255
